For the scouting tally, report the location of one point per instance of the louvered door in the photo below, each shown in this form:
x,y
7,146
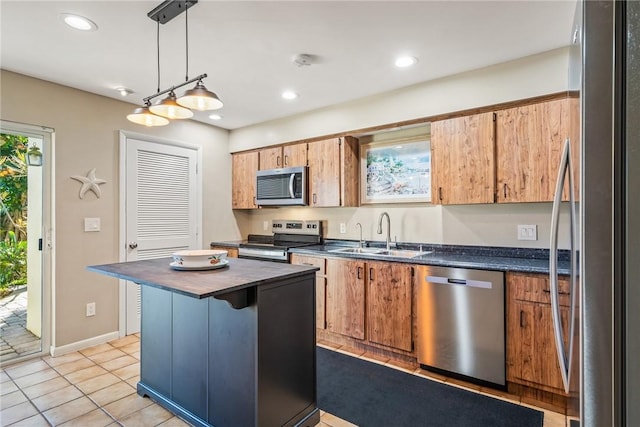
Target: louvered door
x,y
161,208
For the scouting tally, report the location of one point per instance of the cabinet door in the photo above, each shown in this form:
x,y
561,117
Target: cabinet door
x,y
529,143
532,354
324,173
345,297
389,301
231,252
295,155
271,158
321,285
462,160
243,180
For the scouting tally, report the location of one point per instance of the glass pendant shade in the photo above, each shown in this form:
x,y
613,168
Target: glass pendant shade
x,y
170,109
143,116
199,98
34,156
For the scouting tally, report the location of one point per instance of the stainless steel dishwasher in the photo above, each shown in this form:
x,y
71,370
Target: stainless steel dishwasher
x,y
461,322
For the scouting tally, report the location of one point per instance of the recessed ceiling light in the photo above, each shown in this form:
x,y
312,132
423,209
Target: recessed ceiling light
x,y
215,116
406,61
289,94
78,22
124,91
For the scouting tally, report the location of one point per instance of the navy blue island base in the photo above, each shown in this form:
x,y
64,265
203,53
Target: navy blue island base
x,y
230,347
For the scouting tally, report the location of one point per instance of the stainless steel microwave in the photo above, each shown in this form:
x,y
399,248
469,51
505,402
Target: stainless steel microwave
x,y
282,187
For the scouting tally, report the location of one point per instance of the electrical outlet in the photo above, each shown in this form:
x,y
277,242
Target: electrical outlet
x,y
91,309
265,225
528,232
343,228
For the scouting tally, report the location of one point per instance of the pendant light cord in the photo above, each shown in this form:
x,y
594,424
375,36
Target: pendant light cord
x,y
186,38
158,51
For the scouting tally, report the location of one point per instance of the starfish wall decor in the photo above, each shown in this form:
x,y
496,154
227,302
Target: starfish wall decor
x,y
89,183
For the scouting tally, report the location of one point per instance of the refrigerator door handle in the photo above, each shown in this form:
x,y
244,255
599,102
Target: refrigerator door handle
x,y
563,359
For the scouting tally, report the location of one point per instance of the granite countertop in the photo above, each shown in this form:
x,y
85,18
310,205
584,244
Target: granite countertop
x,y
240,274
485,258
228,244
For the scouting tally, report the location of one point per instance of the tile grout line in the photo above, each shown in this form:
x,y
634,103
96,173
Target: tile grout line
x,y
83,393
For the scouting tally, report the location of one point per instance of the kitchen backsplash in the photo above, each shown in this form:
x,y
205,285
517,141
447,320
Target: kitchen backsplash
x,y
490,225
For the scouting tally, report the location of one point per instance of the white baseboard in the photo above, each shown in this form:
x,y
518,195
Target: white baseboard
x,y
80,345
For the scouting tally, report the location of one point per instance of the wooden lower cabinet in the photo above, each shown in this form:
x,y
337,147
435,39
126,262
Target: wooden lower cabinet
x,y
531,350
389,302
345,304
371,301
231,252
321,285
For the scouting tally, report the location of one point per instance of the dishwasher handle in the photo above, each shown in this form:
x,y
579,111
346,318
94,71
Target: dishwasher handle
x,y
462,282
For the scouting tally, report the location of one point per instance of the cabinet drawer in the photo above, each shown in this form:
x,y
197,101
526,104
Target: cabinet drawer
x,y
536,288
310,260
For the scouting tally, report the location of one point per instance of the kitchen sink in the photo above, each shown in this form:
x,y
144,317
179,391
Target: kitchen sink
x,y
399,253
403,253
368,251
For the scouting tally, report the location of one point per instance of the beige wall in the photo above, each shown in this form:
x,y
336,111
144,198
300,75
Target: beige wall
x,y
86,136
528,77
493,225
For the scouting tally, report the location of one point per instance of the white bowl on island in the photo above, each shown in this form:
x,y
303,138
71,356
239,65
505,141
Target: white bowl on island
x,y
198,258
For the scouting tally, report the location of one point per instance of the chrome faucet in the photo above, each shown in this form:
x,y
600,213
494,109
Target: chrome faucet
x,y
360,242
388,228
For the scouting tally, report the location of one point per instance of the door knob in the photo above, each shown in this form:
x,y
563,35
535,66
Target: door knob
x,y
133,245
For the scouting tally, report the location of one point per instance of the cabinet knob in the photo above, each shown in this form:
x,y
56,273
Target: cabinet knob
x,y
133,245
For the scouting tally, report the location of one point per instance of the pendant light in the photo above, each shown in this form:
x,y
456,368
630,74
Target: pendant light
x,y
143,116
198,98
170,109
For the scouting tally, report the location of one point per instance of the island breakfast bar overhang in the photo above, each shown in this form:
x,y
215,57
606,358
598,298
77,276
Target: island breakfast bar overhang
x,y
229,347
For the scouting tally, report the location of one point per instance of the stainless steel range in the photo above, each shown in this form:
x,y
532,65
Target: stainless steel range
x,y
286,234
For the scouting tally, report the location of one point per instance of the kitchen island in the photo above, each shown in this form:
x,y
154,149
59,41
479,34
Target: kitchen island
x,y
233,346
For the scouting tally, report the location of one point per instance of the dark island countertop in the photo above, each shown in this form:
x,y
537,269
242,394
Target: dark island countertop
x,y
239,274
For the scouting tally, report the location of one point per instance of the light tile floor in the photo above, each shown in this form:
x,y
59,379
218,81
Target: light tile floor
x,y
96,387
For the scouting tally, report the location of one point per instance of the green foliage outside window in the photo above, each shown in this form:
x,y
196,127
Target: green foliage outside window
x,y
13,211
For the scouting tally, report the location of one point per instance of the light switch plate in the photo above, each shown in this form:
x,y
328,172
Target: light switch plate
x,y
528,232
92,224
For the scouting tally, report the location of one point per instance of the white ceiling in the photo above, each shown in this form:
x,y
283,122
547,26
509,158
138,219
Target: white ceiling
x,y
246,47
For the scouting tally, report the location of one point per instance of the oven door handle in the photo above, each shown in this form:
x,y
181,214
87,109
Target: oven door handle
x,y
267,254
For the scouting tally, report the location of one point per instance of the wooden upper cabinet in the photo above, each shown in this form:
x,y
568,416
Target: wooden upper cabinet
x,y
463,160
283,157
270,158
345,297
243,180
529,143
389,304
294,155
333,172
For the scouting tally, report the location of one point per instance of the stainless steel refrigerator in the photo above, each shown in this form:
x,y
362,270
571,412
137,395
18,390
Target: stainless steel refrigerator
x,y
607,316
